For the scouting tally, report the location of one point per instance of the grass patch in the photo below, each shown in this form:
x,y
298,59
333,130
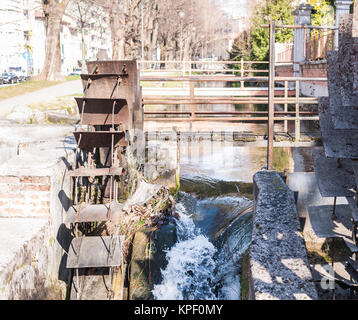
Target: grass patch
x,y
73,77
25,87
281,159
30,86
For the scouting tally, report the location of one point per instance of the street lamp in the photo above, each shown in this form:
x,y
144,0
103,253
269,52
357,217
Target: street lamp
x,y
142,33
202,46
181,16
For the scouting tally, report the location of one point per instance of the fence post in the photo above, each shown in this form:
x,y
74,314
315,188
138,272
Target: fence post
x,y
302,16
270,122
342,7
297,118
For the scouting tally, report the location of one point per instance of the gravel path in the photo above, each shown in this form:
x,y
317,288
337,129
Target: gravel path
x,y
59,90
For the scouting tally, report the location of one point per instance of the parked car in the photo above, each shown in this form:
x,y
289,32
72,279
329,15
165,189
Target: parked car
x,y
75,72
9,77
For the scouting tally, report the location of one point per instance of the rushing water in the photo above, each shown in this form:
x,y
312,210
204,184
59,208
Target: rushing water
x,y
216,187
202,265
189,273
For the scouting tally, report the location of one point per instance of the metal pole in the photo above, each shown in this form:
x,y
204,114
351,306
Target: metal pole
x,y
142,31
270,122
181,39
202,49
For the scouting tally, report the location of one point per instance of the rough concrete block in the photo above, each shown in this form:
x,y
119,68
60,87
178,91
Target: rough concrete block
x,y
278,260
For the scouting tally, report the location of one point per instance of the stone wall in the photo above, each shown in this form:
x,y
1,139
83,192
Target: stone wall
x,y
34,196
278,265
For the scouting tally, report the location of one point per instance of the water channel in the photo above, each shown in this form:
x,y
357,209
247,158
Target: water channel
x,y
212,232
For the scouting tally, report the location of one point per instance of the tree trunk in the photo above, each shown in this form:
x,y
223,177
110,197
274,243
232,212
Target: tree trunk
x,y
52,64
154,38
84,67
187,48
117,32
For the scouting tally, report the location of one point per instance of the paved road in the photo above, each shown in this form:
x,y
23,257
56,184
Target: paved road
x,y
59,90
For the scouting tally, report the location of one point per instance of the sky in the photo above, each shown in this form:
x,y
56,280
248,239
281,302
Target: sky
x,y
235,8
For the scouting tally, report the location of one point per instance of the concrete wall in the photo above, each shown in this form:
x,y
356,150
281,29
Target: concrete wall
x,y
314,70
278,265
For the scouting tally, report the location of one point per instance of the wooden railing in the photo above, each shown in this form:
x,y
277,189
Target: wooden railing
x,y
197,67
284,95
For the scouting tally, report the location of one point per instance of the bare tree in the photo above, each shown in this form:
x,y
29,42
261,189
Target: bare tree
x,y
53,12
203,22
81,11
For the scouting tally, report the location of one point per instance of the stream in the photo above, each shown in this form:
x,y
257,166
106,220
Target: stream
x,y
215,219
200,265
212,232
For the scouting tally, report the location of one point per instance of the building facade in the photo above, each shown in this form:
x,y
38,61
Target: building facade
x,y
23,37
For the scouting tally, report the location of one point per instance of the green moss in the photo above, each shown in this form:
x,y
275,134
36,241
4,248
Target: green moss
x,y
281,159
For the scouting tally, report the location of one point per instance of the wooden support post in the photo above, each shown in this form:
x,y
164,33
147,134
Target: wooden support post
x,y
270,123
285,129
297,120
192,104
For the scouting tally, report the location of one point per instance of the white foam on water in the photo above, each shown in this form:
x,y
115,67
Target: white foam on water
x,y
189,273
198,270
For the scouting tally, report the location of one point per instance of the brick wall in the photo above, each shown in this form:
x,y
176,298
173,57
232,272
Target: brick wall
x,y
284,71
318,70
25,196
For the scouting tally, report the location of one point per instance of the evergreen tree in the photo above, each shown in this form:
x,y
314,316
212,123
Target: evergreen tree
x,y
257,49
